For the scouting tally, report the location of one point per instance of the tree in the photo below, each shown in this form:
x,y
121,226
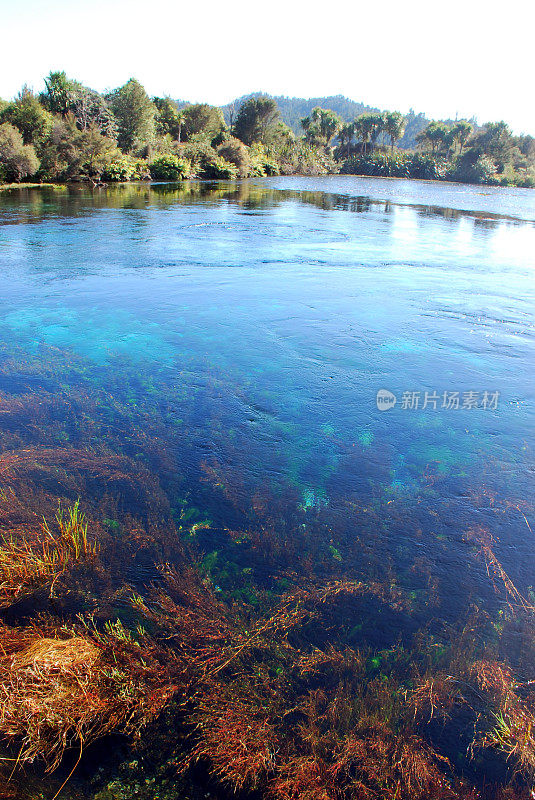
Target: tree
x,y
59,95
474,167
278,136
169,120
135,114
65,96
345,136
70,152
368,127
496,141
28,115
255,119
461,132
321,126
394,126
201,118
17,160
437,135
526,145
92,110
96,152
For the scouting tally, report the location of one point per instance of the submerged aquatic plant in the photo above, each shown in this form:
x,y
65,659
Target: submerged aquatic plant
x,y
26,565
65,692
295,665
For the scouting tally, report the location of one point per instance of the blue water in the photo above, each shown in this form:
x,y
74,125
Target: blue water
x,y
273,311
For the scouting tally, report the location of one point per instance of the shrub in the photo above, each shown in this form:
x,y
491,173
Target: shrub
x,y
199,153
17,160
219,169
428,167
71,153
525,182
397,165
170,168
235,152
122,169
262,163
301,158
474,168
381,164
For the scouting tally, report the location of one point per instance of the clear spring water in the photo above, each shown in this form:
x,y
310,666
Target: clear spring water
x,y
280,307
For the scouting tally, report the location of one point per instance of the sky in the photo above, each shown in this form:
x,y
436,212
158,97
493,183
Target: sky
x,y
462,57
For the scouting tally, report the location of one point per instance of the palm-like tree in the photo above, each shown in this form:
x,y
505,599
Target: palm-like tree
x,y
368,127
321,126
437,134
345,135
461,131
394,126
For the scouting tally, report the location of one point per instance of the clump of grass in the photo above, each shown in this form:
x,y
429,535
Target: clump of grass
x,y
26,565
514,735
48,698
57,693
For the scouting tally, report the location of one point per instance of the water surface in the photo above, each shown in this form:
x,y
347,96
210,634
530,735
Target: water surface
x,y
271,312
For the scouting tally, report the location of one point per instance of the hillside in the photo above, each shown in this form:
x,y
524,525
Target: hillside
x,y
294,108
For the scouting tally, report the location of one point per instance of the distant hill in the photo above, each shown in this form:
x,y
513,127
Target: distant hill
x,y
293,109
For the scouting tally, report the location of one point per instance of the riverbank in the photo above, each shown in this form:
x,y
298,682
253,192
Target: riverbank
x,y
21,185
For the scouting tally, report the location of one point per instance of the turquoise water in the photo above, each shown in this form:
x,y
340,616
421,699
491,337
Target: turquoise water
x,y
268,314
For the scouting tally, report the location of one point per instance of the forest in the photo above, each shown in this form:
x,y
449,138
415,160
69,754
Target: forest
x,y
70,132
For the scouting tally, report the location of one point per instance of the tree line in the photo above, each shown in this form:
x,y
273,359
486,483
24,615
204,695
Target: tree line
x,y
71,132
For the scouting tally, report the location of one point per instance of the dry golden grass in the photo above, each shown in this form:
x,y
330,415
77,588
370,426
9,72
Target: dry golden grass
x,y
47,696
58,693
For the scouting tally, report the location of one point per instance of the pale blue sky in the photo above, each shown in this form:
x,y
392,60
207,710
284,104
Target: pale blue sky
x,y
470,57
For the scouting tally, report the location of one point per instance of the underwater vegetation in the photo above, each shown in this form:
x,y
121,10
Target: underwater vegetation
x,y
149,650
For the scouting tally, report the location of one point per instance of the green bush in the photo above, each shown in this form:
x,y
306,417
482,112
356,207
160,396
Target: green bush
x,y
220,170
525,182
397,165
302,158
122,169
235,152
426,166
474,168
199,152
169,168
17,160
262,163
